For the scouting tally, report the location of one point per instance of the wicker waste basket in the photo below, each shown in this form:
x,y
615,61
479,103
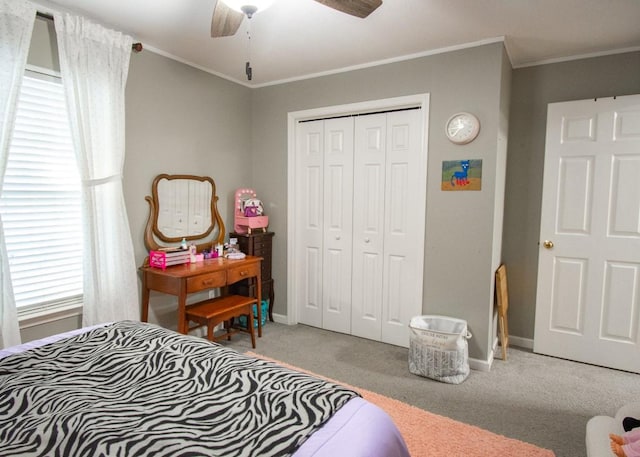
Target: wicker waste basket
x,y
438,348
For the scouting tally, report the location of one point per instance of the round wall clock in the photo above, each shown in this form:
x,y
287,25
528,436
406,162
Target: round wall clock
x,y
462,128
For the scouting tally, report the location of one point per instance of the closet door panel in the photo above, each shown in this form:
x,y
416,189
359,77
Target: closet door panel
x,y
394,289
337,226
368,224
369,288
403,225
309,222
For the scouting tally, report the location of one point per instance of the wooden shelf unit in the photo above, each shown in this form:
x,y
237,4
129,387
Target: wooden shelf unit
x,y
258,244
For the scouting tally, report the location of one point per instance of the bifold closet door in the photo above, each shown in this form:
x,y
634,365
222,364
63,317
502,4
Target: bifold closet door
x,y
388,225
359,227
324,197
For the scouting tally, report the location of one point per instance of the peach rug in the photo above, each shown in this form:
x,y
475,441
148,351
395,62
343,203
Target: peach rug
x,y
428,434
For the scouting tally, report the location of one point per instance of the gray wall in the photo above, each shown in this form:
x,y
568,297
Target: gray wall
x,y
182,120
44,48
501,165
460,226
533,88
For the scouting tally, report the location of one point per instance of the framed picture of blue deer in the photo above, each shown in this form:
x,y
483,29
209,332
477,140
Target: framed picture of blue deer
x,y
462,174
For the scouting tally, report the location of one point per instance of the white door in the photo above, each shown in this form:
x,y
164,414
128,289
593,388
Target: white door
x,y
309,225
368,225
405,207
338,201
389,212
324,179
588,297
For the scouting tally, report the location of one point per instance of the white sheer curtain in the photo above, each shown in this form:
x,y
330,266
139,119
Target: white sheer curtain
x,y
94,63
16,26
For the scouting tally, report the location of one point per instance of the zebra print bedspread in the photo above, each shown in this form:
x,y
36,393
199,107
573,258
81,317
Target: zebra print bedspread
x,y
132,389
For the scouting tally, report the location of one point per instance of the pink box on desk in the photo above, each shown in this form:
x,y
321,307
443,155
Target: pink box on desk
x,y
163,259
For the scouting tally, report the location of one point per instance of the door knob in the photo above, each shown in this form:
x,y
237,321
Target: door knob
x,y
548,244
338,237
366,240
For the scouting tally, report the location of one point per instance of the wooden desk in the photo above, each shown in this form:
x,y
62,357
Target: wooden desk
x,y
182,280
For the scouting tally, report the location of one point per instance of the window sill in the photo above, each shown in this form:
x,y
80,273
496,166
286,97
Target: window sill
x,y
48,313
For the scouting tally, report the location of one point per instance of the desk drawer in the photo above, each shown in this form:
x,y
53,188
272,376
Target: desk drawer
x,y
206,281
242,272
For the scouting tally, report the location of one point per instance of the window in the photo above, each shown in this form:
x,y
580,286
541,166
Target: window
x,y
40,202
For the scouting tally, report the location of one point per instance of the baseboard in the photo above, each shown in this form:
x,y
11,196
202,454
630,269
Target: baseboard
x,y
481,365
526,343
281,319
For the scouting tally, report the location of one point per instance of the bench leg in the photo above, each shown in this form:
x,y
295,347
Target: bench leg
x,y
250,327
227,326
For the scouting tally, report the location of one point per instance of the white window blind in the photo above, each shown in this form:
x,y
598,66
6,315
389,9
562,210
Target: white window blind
x,y
40,201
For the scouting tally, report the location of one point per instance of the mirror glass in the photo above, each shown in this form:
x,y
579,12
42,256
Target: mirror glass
x,y
183,206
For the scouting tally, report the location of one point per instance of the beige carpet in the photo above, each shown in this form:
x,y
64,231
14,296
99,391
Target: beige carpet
x,y
428,434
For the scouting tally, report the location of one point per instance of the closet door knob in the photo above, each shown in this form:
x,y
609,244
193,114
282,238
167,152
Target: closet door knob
x,y
337,237
366,240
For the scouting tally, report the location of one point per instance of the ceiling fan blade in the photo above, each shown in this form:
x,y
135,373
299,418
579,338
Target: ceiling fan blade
x,y
358,8
225,21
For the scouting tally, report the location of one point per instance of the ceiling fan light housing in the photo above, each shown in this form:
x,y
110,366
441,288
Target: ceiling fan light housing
x,y
242,6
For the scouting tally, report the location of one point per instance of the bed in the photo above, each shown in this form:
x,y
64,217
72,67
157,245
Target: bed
x,y
136,389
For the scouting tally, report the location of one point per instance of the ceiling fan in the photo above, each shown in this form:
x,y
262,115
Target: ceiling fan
x,y
228,14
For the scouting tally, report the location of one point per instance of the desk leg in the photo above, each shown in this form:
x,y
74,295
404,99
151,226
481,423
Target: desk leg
x,y
144,313
259,297
183,325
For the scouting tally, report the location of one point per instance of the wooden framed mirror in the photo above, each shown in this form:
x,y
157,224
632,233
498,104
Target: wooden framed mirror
x,y
183,206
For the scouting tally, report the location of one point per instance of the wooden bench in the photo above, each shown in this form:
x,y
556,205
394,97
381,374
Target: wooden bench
x,y
223,309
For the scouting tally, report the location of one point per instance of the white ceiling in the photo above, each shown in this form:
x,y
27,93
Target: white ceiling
x,y
298,38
